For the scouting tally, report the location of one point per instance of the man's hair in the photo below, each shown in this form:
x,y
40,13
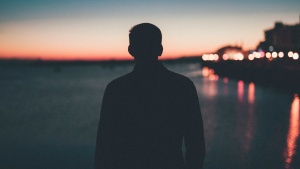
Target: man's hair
x,y
145,34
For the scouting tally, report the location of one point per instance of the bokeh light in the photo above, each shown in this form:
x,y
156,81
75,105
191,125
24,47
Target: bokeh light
x,y
216,57
225,56
290,54
295,56
251,57
274,54
205,57
280,54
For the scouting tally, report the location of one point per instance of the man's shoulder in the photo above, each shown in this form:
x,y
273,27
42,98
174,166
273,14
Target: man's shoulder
x,y
121,80
178,77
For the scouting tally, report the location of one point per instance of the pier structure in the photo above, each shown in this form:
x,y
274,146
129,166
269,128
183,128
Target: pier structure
x,y
275,62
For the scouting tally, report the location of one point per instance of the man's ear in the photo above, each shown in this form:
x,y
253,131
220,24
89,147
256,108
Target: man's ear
x,y
131,50
160,50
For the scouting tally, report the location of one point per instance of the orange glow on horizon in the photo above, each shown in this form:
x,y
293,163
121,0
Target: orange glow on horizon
x,y
72,40
293,132
68,58
87,57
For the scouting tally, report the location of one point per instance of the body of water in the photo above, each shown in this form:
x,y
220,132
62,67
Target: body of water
x,y
49,118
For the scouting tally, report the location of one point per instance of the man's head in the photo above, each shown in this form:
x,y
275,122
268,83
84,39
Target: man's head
x,y
145,42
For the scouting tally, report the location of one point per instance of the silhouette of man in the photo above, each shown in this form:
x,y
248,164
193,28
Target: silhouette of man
x,y
146,114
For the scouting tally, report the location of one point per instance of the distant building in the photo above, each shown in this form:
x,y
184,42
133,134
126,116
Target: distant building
x,y
229,49
230,52
281,38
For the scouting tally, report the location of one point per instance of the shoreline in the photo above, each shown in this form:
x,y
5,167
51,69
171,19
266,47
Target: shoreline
x,y
268,74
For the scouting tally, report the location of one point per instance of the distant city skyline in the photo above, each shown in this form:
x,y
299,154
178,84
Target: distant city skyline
x,y
89,30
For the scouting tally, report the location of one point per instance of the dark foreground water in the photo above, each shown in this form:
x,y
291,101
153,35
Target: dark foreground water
x,y
49,118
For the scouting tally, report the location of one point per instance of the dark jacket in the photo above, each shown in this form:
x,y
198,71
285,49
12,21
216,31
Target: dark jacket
x,y
144,117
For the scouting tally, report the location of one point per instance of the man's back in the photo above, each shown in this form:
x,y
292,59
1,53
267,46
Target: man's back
x,y
144,117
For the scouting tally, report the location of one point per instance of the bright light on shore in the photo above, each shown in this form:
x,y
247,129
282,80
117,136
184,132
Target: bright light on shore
x,y
290,54
251,57
238,56
280,54
216,57
211,57
274,54
295,56
205,57
225,56
268,55
257,54
262,54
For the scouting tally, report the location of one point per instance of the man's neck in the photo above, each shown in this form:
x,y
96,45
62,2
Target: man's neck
x,y
148,62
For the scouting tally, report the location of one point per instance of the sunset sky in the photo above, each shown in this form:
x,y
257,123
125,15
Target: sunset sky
x,y
90,29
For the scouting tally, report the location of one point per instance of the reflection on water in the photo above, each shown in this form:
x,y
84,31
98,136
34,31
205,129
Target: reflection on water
x,y
251,126
225,87
210,73
240,91
251,93
250,121
206,71
210,89
245,118
247,126
293,132
231,104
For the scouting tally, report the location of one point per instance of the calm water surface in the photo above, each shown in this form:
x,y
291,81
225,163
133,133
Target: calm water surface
x,y
49,118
